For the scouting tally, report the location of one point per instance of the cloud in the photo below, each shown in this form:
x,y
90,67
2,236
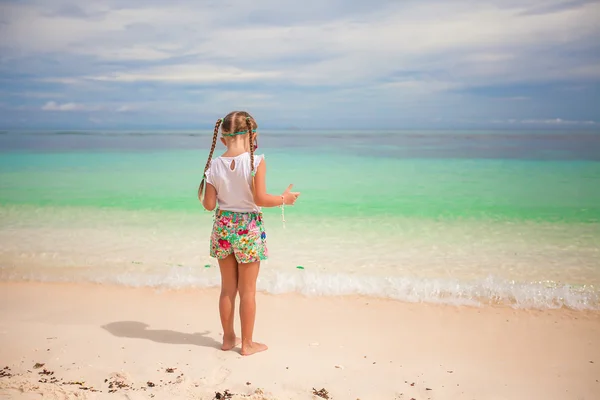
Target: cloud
x,y
515,98
553,121
557,121
74,11
65,81
556,6
33,94
188,74
53,106
127,108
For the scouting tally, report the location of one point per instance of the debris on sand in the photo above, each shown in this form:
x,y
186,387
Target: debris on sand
x,y
38,365
75,383
223,396
46,372
118,381
6,373
170,370
52,380
81,385
226,395
324,394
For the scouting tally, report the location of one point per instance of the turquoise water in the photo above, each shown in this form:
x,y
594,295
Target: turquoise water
x,y
488,217
332,184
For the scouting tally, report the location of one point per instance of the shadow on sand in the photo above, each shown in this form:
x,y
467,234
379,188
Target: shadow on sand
x,y
139,330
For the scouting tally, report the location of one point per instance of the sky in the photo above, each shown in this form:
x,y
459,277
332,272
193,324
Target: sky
x,y
315,64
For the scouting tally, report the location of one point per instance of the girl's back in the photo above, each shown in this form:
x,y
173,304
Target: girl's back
x,y
232,177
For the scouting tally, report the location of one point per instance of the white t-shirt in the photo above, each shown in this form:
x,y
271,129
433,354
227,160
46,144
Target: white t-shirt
x,y
233,186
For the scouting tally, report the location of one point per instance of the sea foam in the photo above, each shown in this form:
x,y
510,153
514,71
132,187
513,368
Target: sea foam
x,y
480,292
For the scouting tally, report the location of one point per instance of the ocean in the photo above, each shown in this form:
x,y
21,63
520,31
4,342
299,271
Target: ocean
x,y
456,217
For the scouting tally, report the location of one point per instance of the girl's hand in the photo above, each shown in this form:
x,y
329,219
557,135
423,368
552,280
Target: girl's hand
x,y
289,197
264,199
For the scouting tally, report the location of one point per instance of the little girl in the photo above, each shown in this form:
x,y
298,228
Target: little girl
x,y
236,182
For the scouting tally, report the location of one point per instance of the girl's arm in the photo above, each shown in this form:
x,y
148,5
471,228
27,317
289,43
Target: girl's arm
x,y
210,197
264,199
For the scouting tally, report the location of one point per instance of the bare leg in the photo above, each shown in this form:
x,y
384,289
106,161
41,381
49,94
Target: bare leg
x,y
247,288
229,287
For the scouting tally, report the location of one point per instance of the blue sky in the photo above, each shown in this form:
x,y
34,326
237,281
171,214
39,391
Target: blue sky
x,y
350,64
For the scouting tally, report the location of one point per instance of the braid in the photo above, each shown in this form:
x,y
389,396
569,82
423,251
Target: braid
x,y
251,138
212,149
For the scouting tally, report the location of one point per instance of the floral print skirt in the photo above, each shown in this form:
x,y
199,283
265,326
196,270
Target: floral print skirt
x,y
240,233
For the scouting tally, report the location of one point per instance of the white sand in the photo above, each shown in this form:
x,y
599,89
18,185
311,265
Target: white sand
x,y
91,333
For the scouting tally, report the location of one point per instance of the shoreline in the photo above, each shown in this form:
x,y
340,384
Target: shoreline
x,y
351,346
492,291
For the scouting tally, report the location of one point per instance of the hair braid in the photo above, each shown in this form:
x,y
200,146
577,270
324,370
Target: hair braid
x,y
210,154
251,139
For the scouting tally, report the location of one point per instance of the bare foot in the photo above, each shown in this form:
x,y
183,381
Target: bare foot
x,y
230,343
254,347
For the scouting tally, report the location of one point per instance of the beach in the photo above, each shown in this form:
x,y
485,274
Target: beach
x,y
346,347
415,265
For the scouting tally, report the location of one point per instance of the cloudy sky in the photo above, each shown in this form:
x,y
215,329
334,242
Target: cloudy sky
x,y
312,64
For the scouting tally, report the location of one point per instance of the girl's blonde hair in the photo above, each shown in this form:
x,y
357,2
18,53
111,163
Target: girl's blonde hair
x,y
234,123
